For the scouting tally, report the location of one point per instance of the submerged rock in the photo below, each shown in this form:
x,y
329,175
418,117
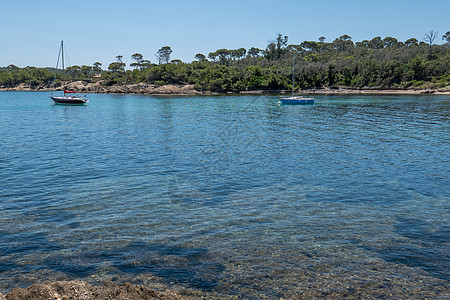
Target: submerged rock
x,y
59,290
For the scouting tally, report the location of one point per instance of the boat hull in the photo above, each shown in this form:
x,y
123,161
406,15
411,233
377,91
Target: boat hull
x,y
70,100
296,100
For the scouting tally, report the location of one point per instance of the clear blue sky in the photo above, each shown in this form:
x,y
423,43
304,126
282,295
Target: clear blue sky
x,y
98,30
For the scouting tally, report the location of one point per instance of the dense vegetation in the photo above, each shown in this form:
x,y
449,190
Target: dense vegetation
x,y
378,63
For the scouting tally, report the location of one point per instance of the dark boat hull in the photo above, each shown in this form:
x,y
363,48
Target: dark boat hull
x,y
70,100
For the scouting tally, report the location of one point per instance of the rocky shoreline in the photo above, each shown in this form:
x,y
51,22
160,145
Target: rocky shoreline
x,y
98,88
59,290
179,89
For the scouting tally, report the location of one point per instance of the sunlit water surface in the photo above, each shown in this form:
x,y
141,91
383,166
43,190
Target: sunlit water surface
x,y
228,195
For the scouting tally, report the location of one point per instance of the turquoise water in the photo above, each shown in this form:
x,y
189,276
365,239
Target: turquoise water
x,y
228,195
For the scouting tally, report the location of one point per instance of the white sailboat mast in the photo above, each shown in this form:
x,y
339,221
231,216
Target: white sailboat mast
x,y
293,68
62,55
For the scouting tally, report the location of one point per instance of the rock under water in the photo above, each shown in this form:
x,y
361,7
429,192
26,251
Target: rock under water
x,y
59,290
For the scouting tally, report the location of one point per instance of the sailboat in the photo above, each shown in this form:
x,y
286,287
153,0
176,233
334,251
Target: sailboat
x,y
72,98
295,99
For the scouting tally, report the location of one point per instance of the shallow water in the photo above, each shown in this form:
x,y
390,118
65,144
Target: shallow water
x,y
228,195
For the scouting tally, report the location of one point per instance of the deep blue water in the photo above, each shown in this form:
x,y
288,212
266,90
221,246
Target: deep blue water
x,y
227,195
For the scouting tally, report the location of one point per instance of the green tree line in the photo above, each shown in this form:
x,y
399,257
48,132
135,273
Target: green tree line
x,y
378,63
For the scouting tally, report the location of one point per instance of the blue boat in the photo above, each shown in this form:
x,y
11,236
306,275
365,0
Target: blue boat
x,y
295,99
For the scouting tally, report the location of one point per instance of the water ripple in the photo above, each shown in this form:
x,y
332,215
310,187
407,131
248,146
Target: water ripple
x,y
229,195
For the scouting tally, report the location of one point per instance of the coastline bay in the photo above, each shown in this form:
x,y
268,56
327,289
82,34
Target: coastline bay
x,y
228,196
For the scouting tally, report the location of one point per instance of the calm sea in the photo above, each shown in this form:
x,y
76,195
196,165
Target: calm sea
x,y
228,195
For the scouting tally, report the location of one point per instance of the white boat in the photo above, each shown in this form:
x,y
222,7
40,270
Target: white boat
x,y
66,100
295,99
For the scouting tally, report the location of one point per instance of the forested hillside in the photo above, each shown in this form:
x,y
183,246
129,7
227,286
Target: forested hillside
x,y
375,63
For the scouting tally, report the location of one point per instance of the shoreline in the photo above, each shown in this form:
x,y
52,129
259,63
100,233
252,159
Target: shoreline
x,y
76,289
443,91
190,90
